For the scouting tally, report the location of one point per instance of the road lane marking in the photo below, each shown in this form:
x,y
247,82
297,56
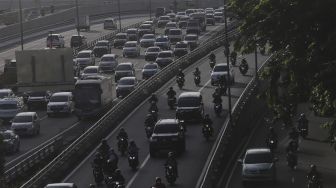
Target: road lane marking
x,y
204,85
130,182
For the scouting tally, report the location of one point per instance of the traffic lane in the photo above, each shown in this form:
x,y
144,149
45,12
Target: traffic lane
x,y
134,127
96,31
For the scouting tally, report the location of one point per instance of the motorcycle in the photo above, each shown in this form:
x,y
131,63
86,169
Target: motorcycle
x,y
206,130
222,89
180,81
303,132
197,80
133,161
110,183
272,144
243,68
149,131
154,114
314,182
212,64
291,160
122,145
170,175
98,174
218,109
171,102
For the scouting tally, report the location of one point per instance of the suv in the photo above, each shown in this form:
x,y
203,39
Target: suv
x,y
26,123
125,86
190,106
162,42
181,49
132,34
221,70
131,48
175,35
123,70
163,20
9,107
168,134
193,26
55,40
169,26
119,40
210,19
38,99
5,93
77,41
108,63
160,11
60,102
145,29
85,58
147,40
110,23
101,48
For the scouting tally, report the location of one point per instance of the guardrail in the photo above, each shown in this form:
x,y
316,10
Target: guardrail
x,y
78,149
231,136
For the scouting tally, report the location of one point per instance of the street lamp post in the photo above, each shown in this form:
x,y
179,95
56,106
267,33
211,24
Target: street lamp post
x,y
119,15
21,24
256,62
77,16
227,45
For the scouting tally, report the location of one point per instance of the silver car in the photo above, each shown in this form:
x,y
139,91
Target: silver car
x,y
85,58
61,102
90,71
131,48
258,165
9,107
108,63
147,40
221,70
26,123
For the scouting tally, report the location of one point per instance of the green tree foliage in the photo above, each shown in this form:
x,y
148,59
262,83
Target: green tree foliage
x,y
303,34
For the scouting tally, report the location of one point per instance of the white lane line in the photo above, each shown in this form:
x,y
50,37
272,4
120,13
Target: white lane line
x,y
44,117
204,85
129,184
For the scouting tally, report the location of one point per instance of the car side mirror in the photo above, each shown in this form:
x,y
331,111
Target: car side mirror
x,y
240,161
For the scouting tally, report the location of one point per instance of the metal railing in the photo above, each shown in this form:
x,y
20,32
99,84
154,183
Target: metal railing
x,y
78,148
231,135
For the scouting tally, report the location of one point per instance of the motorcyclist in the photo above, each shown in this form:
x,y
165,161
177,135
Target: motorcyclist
x,y
158,183
149,121
118,177
98,160
292,146
172,161
153,107
222,82
171,93
272,136
313,172
153,98
180,73
208,121
104,149
302,122
197,72
122,134
112,162
92,186
111,166
217,98
133,149
291,157
212,57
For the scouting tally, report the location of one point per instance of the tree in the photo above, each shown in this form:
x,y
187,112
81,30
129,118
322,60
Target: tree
x,y
303,34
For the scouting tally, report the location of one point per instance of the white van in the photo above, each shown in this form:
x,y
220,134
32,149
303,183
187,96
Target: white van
x,y
110,23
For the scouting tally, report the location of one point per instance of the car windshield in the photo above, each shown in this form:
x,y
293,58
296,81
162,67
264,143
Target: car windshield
x,y
5,135
123,67
83,55
220,68
59,99
255,158
148,37
153,50
121,37
91,70
209,16
22,119
175,32
126,82
164,18
166,128
53,37
145,26
218,14
4,94
132,31
181,13
181,45
102,44
37,94
190,38
130,44
188,102
150,66
192,24
8,106
171,25
165,54
162,39
108,21
107,59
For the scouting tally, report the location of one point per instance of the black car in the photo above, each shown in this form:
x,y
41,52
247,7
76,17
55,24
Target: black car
x,y
37,99
101,48
181,49
168,135
77,41
190,106
11,141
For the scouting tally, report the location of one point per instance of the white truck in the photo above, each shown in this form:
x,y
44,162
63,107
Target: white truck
x,y
83,23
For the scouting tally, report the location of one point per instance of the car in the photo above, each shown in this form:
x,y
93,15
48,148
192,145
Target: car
x,y
164,58
163,20
210,19
119,40
132,34
209,9
108,63
85,58
152,53
145,29
125,86
6,93
179,15
90,71
26,123
60,102
9,107
172,16
123,70
221,70
191,40
193,27
209,12
190,107
175,35
181,49
61,185
149,70
77,41
170,25
162,42
258,164
37,99
131,48
110,23
219,17
94,77
55,41
168,134
183,22
190,11
11,141
151,22
101,48
147,40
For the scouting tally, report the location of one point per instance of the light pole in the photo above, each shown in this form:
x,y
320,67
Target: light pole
x,y
119,15
21,24
150,9
77,16
227,45
256,62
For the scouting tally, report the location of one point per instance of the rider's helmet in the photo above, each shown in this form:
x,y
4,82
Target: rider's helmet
x,y
122,129
302,115
170,154
197,69
171,88
157,180
117,171
312,167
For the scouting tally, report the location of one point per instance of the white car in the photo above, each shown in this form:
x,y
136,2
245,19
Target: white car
x,y
179,15
258,165
131,48
9,107
5,93
60,102
26,123
55,40
175,35
147,40
110,23
108,63
90,71
85,58
221,70
170,25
